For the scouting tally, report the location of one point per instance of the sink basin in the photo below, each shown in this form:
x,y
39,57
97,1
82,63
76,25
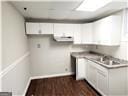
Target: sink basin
x,y
107,61
110,62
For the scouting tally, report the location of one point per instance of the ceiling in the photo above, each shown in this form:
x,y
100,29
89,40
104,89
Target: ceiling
x,y
63,9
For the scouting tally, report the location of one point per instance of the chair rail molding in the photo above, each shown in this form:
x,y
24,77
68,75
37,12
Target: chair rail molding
x,y
13,65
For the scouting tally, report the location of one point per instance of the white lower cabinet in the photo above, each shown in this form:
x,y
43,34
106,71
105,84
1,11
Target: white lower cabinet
x,y
91,73
109,82
118,82
80,68
102,80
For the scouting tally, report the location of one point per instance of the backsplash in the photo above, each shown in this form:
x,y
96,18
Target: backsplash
x,y
120,52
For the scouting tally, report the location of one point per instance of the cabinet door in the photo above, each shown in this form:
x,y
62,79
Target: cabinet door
x,y
86,33
33,28
80,68
64,29
46,28
92,73
105,35
102,82
127,79
107,31
110,30
77,34
96,32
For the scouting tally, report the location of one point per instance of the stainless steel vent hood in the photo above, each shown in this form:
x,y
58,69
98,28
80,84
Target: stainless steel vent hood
x,y
63,38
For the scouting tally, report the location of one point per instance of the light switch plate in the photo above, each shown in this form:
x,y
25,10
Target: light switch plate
x,y
38,45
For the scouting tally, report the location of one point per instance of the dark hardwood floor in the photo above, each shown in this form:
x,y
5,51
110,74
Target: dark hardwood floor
x,y
60,86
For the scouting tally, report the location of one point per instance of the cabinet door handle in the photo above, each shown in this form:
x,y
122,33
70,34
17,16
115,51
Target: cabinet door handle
x,y
102,73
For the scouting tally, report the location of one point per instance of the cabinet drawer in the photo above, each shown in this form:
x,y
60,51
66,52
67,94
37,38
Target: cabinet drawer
x,y
102,69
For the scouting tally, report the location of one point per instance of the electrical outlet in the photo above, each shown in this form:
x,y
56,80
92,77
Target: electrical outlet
x,y
38,45
66,69
96,47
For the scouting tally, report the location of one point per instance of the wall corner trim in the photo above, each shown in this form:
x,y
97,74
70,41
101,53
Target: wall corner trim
x,y
11,66
27,86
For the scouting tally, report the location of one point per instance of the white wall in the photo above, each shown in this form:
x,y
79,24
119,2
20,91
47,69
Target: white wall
x,y
13,35
53,57
14,46
0,45
16,80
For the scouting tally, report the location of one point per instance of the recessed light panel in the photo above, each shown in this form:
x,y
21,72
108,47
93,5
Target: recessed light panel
x,y
92,5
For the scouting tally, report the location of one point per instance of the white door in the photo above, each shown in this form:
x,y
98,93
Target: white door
x,y
33,28
77,34
80,68
102,82
96,32
92,73
64,30
46,28
105,30
86,33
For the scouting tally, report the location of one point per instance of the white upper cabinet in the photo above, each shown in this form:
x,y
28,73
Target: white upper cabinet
x,y
39,28
96,32
47,28
87,33
63,30
107,31
77,34
33,28
83,34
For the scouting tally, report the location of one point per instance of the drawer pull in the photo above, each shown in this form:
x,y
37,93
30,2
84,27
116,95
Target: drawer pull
x,y
102,73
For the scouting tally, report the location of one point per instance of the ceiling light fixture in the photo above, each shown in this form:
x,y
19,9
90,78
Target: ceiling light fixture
x,y
92,5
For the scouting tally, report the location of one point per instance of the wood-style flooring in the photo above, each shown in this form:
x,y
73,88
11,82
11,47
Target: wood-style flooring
x,y
60,86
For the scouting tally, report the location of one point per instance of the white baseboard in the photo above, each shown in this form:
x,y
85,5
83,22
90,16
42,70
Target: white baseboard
x,y
26,88
50,76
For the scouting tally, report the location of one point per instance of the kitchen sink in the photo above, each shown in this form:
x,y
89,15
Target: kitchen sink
x,y
107,61
110,62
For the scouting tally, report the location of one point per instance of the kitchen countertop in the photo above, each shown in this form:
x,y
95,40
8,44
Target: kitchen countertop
x,y
92,56
85,54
